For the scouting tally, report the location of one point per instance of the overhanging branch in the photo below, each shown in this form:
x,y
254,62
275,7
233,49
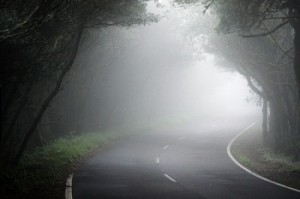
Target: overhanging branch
x,y
255,89
52,94
268,32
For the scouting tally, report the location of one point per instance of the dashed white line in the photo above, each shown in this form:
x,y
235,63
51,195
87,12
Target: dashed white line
x,y
171,179
165,147
157,160
68,191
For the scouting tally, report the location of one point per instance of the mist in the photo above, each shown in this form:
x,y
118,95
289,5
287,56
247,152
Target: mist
x,y
154,73
150,99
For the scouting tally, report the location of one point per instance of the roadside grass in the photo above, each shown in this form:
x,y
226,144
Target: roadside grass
x,y
250,151
286,161
244,160
43,172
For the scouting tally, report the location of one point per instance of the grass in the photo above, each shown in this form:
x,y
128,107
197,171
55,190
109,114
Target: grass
x,y
244,160
42,173
281,159
250,151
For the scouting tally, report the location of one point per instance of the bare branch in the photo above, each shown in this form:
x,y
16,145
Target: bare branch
x,y
19,25
48,100
268,32
255,89
276,42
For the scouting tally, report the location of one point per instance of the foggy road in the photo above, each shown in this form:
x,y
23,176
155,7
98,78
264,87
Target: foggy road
x,y
190,163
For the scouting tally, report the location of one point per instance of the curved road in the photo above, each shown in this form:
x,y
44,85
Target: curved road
x,y
172,164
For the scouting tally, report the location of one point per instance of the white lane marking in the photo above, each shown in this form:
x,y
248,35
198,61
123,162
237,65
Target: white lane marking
x,y
157,160
171,179
68,192
248,170
181,138
165,147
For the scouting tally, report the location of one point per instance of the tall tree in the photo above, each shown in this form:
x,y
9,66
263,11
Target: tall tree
x,y
261,44
39,41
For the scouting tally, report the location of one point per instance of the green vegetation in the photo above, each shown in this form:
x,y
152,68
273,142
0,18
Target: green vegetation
x,y
281,159
244,160
43,172
258,43
37,51
251,152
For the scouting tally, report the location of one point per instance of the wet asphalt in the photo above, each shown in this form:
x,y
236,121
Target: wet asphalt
x,y
187,163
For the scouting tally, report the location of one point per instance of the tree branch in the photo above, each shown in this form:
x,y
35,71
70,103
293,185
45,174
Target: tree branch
x,y
268,32
277,43
47,101
255,89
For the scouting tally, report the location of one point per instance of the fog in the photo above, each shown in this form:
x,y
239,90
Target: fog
x,y
150,99
162,70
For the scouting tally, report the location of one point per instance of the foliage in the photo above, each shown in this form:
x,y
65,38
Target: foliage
x,y
42,172
48,166
259,39
280,158
39,41
244,160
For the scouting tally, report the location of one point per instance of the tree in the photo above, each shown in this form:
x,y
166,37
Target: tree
x,y
273,29
260,42
39,42
258,18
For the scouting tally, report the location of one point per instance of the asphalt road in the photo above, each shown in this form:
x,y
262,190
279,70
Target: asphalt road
x,y
186,163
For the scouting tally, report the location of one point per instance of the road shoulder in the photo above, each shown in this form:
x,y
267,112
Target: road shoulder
x,y
248,152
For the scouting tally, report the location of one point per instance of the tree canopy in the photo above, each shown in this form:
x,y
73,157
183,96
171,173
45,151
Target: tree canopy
x,y
39,41
261,40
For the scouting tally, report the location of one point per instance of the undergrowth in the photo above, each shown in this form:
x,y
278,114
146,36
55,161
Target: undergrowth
x,y
43,172
281,159
244,160
250,151
47,167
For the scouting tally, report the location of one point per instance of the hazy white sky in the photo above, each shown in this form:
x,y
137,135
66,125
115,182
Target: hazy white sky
x,y
202,80
158,73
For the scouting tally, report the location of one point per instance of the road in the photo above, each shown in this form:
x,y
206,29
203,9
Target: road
x,y
186,163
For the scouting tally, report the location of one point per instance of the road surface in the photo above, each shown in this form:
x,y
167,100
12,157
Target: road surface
x,y
190,163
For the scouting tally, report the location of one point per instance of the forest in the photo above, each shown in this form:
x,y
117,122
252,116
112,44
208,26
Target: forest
x,y
39,43
49,67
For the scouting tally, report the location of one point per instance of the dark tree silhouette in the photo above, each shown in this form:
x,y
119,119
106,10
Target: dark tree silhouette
x,y
39,41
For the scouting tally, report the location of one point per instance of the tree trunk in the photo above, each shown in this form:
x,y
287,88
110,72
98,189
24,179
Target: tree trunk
x,y
275,127
10,129
296,26
297,54
1,125
265,120
47,101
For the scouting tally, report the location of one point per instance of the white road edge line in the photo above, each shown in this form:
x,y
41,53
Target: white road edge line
x,y
171,179
157,160
247,170
68,192
165,147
